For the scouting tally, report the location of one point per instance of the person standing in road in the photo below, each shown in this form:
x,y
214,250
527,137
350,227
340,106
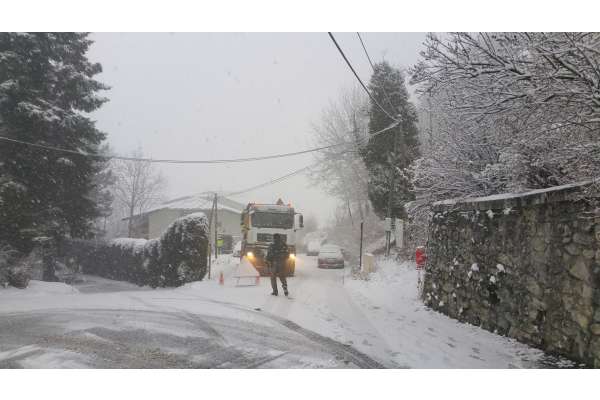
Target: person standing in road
x,y
277,257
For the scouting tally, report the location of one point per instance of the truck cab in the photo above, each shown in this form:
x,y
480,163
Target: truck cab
x,y
259,223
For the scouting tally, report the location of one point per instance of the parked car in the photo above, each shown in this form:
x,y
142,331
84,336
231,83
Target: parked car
x,y
237,249
330,256
313,247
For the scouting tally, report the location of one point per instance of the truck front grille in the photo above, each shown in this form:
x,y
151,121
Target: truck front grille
x,y
268,237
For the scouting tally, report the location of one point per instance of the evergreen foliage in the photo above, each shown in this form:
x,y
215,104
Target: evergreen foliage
x,y
383,163
177,257
46,89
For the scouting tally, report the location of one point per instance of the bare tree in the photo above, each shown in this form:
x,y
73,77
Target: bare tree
x,y
341,171
139,186
508,112
546,79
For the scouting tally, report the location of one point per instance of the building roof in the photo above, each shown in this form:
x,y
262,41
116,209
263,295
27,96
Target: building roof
x,y
202,202
197,202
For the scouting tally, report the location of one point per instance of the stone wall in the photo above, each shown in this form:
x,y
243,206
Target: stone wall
x,y
526,266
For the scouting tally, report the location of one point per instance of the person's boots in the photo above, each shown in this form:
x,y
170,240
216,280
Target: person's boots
x,y
275,294
285,291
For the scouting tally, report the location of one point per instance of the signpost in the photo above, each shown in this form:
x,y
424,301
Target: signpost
x,y
399,233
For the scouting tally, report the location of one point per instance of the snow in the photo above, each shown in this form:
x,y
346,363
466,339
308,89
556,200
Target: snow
x,y
382,316
505,196
136,245
475,267
199,202
38,288
500,268
65,161
376,245
421,338
197,217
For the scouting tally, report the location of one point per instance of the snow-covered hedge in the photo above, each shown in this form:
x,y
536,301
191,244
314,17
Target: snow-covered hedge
x,y
177,257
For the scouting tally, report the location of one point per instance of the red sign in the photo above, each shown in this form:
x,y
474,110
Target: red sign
x,y
420,257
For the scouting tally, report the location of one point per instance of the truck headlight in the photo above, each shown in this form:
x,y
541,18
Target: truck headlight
x,y
250,254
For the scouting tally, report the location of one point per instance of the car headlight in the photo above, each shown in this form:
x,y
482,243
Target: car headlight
x,y
292,256
250,254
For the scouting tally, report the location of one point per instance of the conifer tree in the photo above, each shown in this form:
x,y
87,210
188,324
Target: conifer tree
x,y
388,158
47,86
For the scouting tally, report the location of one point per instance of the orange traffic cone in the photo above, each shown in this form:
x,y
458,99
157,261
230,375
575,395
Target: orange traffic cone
x,y
221,279
257,282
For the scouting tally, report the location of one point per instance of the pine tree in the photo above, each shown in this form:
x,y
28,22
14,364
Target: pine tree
x,y
383,163
46,87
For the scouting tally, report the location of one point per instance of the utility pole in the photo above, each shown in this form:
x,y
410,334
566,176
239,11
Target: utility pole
x,y
361,246
209,245
216,227
388,233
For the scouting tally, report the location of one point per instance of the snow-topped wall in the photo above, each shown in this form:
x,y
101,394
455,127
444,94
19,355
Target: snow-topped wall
x,y
523,265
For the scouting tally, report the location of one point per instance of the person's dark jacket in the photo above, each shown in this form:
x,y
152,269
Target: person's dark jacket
x,y
277,256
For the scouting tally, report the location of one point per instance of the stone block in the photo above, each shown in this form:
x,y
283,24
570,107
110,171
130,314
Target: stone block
x,y
582,320
573,249
539,245
595,347
580,270
534,288
588,253
582,239
595,329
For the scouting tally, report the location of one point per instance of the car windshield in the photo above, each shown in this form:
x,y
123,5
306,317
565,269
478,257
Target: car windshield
x,y
330,249
273,220
330,252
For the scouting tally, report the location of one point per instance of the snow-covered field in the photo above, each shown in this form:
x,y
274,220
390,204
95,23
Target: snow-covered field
x,y
381,317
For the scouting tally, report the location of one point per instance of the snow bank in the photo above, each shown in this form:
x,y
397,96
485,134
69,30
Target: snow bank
x,y
419,337
40,288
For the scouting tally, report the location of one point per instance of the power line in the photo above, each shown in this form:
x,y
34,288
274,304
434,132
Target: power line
x,y
170,161
272,181
296,172
366,52
173,161
373,67
357,77
306,168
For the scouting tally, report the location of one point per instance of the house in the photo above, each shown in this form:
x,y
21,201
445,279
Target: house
x,y
152,223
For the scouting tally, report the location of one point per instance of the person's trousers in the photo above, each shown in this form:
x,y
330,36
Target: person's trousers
x,y
282,278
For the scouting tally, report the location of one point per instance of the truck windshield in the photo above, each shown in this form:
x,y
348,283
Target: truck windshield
x,y
273,220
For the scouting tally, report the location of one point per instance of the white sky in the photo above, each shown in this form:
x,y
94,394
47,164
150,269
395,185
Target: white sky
x,y
205,96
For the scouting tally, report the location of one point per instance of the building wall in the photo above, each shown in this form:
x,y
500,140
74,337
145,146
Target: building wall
x,y
527,267
159,221
229,221
139,227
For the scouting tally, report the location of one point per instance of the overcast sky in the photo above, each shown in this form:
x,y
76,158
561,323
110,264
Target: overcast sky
x,y
205,96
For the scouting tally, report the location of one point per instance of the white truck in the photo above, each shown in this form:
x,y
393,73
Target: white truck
x,y
259,223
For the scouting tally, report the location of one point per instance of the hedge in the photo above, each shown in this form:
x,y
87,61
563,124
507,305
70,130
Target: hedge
x,y
177,257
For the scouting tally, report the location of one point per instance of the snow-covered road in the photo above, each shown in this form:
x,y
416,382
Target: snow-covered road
x,y
329,321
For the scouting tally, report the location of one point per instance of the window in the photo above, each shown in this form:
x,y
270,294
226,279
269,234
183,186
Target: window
x,y
273,220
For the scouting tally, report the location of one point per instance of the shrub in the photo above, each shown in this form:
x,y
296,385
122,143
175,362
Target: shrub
x,y
18,277
179,256
9,257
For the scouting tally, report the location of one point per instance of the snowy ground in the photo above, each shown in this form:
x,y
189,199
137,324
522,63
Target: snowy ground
x,y
330,321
